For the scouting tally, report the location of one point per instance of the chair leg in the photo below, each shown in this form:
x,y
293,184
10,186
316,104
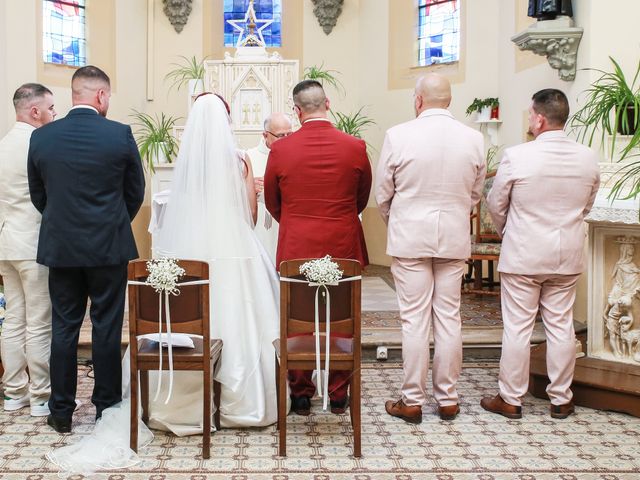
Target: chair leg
x,y
282,411
216,399
144,395
277,389
133,432
355,406
477,274
206,412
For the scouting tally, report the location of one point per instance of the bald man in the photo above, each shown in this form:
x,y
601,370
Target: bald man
x,y
26,332
86,178
276,126
430,175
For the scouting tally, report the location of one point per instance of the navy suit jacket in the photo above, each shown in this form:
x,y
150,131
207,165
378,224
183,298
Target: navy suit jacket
x,y
86,178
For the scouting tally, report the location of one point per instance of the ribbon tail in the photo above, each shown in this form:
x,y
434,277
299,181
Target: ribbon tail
x,y
159,385
327,349
169,346
317,328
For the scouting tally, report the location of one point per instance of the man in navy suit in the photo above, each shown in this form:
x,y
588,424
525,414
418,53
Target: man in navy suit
x,y
86,178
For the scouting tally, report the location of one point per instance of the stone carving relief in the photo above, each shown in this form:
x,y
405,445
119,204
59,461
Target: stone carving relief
x,y
623,338
327,13
177,11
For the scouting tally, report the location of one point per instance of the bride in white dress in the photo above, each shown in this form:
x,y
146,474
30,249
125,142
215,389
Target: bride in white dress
x,y
210,217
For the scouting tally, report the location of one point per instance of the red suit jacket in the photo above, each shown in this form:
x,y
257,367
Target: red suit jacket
x,y
316,182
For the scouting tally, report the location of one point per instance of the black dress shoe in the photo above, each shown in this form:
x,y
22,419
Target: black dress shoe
x,y
338,407
301,405
59,424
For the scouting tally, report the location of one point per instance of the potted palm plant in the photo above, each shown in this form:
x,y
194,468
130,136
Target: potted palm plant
x,y
190,72
154,137
353,123
487,108
612,107
324,76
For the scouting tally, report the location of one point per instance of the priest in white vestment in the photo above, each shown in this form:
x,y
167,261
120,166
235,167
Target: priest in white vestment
x,y
276,126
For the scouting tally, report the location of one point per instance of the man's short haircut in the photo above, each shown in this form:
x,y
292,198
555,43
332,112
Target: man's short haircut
x,y
551,104
27,93
305,98
91,73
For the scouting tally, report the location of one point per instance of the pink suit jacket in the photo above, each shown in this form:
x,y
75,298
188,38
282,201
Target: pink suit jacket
x,y
540,196
430,175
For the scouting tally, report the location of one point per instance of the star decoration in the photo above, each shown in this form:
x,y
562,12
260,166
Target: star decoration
x,y
250,22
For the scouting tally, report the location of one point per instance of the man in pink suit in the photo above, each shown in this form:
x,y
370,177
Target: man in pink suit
x,y
316,182
540,196
430,175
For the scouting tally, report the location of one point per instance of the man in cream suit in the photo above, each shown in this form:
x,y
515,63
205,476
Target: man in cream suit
x,y
430,175
276,126
540,196
26,334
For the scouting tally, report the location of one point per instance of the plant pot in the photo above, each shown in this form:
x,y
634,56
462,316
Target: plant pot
x,y
159,157
484,115
195,87
630,127
495,112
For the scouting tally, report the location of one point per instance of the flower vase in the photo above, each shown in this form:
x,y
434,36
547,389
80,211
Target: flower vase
x,y
484,114
495,112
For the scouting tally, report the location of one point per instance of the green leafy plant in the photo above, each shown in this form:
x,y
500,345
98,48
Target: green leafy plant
x,y
479,103
353,123
492,157
154,137
328,77
612,107
188,69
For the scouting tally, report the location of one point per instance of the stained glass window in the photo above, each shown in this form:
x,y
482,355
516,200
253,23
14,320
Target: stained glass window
x,y
63,32
438,31
265,10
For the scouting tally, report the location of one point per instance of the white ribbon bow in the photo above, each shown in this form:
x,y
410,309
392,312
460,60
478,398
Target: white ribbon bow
x,y
168,322
323,393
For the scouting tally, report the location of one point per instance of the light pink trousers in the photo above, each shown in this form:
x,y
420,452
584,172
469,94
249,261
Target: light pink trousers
x,y
522,296
26,332
429,289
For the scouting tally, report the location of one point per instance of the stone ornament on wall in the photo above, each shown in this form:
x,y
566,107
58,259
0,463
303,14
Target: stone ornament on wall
x,y
177,11
620,335
327,13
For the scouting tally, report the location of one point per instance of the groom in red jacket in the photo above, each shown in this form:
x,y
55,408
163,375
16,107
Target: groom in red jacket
x,y
316,183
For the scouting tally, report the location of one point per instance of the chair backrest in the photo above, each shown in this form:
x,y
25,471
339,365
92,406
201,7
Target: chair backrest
x,y
189,310
485,231
297,301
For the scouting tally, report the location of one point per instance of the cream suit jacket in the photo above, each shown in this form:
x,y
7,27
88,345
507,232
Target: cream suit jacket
x,y
19,219
540,196
429,177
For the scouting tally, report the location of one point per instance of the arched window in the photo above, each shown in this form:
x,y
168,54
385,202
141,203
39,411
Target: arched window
x,y
268,25
63,32
438,31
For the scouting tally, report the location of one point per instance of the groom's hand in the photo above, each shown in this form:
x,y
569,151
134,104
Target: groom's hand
x,y
258,183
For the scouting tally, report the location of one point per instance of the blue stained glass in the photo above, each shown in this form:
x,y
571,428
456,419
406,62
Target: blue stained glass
x,y
438,31
265,10
63,23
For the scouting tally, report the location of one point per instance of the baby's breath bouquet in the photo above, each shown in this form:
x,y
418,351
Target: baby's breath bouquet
x,y
322,271
164,274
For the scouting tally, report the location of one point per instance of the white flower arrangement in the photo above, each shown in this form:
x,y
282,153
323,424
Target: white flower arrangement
x,y
322,271
164,274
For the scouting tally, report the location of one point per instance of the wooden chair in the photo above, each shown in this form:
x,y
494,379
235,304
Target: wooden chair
x,y
485,247
190,315
296,347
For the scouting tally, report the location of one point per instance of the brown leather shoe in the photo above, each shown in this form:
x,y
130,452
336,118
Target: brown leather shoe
x,y
498,405
408,413
448,412
562,411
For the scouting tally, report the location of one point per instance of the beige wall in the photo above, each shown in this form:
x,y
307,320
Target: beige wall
x,y
371,46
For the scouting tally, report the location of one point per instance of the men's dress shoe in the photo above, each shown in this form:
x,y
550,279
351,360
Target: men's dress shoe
x,y
408,413
448,412
59,424
301,405
498,405
562,411
338,407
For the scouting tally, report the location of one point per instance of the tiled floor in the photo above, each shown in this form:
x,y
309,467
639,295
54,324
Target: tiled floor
x,y
477,445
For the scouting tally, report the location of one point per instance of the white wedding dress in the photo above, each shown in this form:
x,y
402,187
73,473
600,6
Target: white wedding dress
x,y
207,218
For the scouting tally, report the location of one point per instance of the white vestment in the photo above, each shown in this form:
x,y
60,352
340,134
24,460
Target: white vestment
x,y
266,228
